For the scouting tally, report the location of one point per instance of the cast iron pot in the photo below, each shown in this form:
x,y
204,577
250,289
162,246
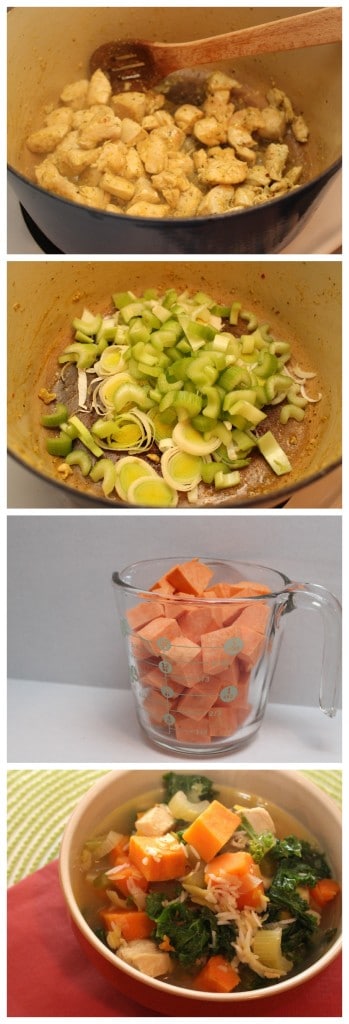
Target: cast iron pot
x,y
48,47
301,300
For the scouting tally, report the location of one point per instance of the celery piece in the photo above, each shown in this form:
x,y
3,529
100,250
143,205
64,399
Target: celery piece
x,y
81,353
233,397
268,365
188,401
134,309
242,440
60,445
149,294
273,453
232,377
222,480
161,312
54,419
220,310
85,436
251,318
121,299
234,312
293,412
276,385
204,424
210,469
79,458
138,332
83,337
88,326
104,470
149,371
246,411
212,408
165,386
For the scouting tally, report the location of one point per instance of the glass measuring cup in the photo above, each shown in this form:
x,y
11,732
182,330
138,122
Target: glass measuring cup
x,y
200,667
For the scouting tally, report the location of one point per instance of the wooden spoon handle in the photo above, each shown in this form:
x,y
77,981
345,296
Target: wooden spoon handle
x,y
312,28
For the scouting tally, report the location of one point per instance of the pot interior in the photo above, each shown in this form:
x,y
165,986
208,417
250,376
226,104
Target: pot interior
x,y
49,47
301,301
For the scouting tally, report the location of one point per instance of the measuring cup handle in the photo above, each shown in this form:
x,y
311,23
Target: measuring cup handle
x,y
312,597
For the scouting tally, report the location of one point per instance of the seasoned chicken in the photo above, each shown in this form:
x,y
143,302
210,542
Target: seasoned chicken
x,y
117,186
99,89
130,104
145,956
45,140
275,159
300,129
218,200
186,117
74,95
222,168
273,125
155,822
210,131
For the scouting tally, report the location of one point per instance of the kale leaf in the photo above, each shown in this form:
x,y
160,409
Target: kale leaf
x,y
192,929
195,787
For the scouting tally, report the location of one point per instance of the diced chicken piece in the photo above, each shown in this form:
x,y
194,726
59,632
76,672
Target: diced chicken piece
x,y
200,159
112,157
217,105
153,153
186,117
258,175
99,90
249,118
157,120
222,168
48,176
242,142
131,132
141,209
219,80
92,176
145,956
247,195
154,101
101,128
113,208
46,139
180,163
294,174
81,117
278,98
260,819
144,191
275,159
171,185
171,134
217,200
129,104
118,186
95,197
155,822
210,131
188,202
277,188
74,95
300,129
274,124
75,161
133,166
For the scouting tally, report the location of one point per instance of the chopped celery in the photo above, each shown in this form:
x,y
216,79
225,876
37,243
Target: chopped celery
x,y
85,436
79,458
273,453
60,445
293,412
54,419
104,470
222,480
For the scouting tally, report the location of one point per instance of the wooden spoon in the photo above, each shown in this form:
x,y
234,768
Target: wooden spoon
x,y
140,64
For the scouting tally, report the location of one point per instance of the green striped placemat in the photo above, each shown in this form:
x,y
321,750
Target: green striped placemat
x,y
40,802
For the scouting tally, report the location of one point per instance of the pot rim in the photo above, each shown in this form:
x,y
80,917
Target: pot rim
x,y
182,222
165,988
277,498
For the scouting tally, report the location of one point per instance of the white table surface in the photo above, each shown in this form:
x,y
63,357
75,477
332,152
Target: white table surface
x,y
63,723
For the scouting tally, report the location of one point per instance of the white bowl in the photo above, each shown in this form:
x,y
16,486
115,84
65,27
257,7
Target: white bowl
x,y
288,789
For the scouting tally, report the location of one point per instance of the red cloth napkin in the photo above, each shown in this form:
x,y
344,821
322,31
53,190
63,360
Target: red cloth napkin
x,y
48,975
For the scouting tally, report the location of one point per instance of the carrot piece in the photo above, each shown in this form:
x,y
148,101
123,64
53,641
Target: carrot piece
x,y
230,864
188,674
159,858
222,590
133,924
162,585
217,975
219,648
324,891
222,720
255,616
199,700
192,732
158,633
212,829
249,589
190,577
124,874
183,650
143,613
157,706
154,677
196,621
